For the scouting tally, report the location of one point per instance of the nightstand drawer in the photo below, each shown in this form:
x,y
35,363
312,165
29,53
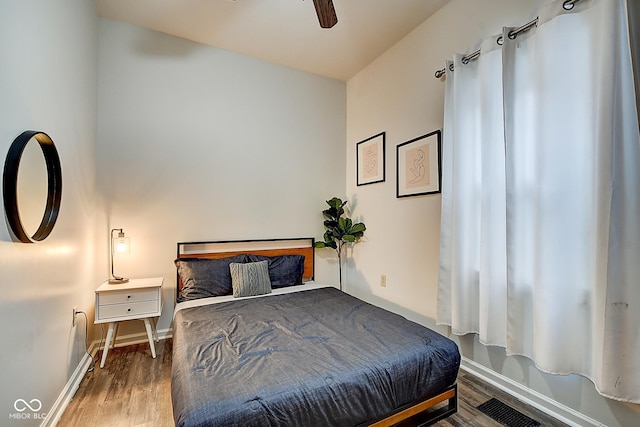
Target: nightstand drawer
x,y
107,298
128,309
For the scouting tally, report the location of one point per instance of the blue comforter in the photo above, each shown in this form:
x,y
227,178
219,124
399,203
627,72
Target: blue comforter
x,y
312,358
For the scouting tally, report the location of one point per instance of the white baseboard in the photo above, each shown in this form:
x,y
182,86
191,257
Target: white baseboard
x,y
69,390
530,397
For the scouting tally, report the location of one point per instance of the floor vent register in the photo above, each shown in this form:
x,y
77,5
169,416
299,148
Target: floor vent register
x,y
505,414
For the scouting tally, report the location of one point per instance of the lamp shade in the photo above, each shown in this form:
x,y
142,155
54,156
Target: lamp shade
x,y
119,244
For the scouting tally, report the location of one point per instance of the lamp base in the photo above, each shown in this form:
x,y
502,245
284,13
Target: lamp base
x,y
118,280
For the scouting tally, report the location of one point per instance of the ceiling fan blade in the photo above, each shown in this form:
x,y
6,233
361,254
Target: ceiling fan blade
x,y
326,13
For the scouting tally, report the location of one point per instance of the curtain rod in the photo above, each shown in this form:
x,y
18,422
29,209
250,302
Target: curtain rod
x,y
567,5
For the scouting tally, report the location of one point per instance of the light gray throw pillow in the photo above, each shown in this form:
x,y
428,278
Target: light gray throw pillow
x,y
250,279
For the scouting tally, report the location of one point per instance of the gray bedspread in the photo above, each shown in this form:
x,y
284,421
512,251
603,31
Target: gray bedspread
x,y
312,358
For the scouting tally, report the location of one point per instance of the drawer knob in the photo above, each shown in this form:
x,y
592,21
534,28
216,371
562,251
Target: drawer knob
x,y
129,309
128,296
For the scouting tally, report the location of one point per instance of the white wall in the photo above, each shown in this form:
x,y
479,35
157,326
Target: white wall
x,y
198,143
48,82
399,94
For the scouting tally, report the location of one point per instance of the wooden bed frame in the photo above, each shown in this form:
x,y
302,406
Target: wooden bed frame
x,y
420,413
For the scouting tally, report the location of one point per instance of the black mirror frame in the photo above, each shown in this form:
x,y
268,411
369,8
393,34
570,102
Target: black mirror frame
x,y
10,186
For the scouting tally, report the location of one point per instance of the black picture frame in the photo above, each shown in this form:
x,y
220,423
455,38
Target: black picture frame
x,y
370,160
418,165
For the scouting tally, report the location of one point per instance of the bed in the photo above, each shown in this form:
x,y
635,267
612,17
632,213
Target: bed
x,y
270,347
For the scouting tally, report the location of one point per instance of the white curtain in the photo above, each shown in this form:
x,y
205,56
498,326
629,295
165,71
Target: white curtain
x,y
540,241
473,199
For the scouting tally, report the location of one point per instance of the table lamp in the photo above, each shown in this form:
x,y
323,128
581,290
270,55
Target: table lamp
x,y
119,244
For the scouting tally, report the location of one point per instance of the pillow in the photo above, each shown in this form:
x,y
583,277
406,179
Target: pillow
x,y
250,279
202,277
284,270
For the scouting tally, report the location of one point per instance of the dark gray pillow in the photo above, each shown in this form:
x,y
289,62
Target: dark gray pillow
x,y
284,270
250,279
203,278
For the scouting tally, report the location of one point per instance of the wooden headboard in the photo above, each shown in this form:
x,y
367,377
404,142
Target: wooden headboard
x,y
266,247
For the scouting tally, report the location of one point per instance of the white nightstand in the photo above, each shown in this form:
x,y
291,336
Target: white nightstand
x,y
137,299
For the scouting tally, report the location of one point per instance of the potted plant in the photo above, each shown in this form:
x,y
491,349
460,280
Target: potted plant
x,y
340,230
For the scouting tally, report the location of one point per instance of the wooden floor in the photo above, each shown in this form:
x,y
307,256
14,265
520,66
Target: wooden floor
x,y
131,390
134,390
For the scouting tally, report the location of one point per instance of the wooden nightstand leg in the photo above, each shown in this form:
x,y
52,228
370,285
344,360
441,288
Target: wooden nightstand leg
x,y
112,326
147,325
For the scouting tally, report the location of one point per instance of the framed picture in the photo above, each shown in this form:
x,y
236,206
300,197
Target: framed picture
x,y
370,164
418,165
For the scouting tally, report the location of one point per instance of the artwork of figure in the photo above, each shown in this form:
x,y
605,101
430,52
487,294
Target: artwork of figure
x,y
370,160
370,165
418,169
417,166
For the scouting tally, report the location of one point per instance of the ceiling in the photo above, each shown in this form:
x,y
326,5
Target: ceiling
x,y
284,32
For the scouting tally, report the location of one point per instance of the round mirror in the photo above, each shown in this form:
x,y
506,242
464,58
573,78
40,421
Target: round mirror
x,y
32,186
31,190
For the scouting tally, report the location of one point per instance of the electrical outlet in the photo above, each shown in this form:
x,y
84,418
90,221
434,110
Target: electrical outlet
x,y
383,280
75,315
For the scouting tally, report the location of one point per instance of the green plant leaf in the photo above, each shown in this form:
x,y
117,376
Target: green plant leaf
x,y
328,237
348,224
336,208
330,223
358,228
336,203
